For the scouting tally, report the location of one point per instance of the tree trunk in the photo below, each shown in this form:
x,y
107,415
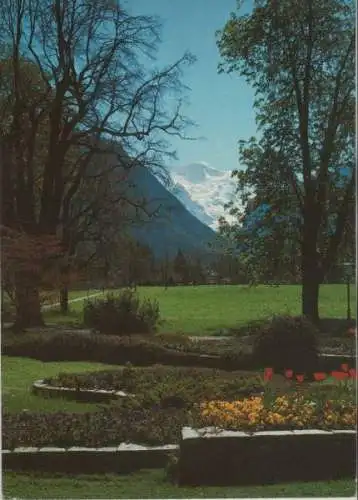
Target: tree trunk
x,y
310,294
28,306
64,306
311,280
311,264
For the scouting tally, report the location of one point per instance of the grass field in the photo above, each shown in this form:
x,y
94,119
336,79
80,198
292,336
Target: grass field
x,y
152,484
18,374
203,310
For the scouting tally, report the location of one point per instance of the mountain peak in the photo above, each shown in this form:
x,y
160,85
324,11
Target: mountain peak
x,y
203,189
196,172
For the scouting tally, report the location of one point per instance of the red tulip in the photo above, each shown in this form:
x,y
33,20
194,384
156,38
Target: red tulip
x,y
268,373
288,373
300,378
319,376
339,375
344,367
352,373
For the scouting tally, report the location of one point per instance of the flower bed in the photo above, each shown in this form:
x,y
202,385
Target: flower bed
x,y
303,406
295,411
182,386
164,398
107,427
168,398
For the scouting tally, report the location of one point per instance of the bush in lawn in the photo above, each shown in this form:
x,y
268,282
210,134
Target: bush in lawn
x,y
287,342
122,315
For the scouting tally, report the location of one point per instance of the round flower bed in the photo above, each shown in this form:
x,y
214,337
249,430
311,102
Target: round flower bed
x,y
166,385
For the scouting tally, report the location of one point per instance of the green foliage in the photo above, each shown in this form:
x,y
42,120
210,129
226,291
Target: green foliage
x,y
152,417
287,342
299,58
123,314
166,386
109,349
131,420
252,328
83,347
110,426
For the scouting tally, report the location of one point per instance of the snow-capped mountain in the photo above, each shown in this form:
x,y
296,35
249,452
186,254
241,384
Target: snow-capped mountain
x,y
203,190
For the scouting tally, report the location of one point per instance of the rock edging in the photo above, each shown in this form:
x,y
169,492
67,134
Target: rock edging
x,y
264,457
84,395
126,457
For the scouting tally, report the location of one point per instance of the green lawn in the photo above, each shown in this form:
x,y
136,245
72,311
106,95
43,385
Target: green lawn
x,y
18,374
203,310
152,484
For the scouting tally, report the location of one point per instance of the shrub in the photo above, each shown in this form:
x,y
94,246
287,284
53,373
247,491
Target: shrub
x,y
129,421
251,329
287,342
106,427
108,349
122,315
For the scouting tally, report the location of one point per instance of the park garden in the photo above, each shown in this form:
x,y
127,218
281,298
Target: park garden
x,y
143,378
145,354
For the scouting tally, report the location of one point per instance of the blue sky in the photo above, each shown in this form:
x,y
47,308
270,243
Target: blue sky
x,y
221,105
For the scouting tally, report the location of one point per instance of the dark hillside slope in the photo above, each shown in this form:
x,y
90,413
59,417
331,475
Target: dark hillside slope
x,y
172,226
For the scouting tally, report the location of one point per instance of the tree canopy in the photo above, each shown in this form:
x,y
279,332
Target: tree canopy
x,y
79,79
299,58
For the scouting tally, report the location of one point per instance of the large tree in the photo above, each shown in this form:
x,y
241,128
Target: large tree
x,y
299,58
96,220
89,69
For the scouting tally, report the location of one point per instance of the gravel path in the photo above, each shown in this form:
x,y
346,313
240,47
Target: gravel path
x,y
78,299
197,338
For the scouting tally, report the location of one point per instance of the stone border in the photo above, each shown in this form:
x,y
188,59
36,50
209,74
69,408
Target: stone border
x,y
215,432
351,357
84,395
264,457
87,395
126,457
244,458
